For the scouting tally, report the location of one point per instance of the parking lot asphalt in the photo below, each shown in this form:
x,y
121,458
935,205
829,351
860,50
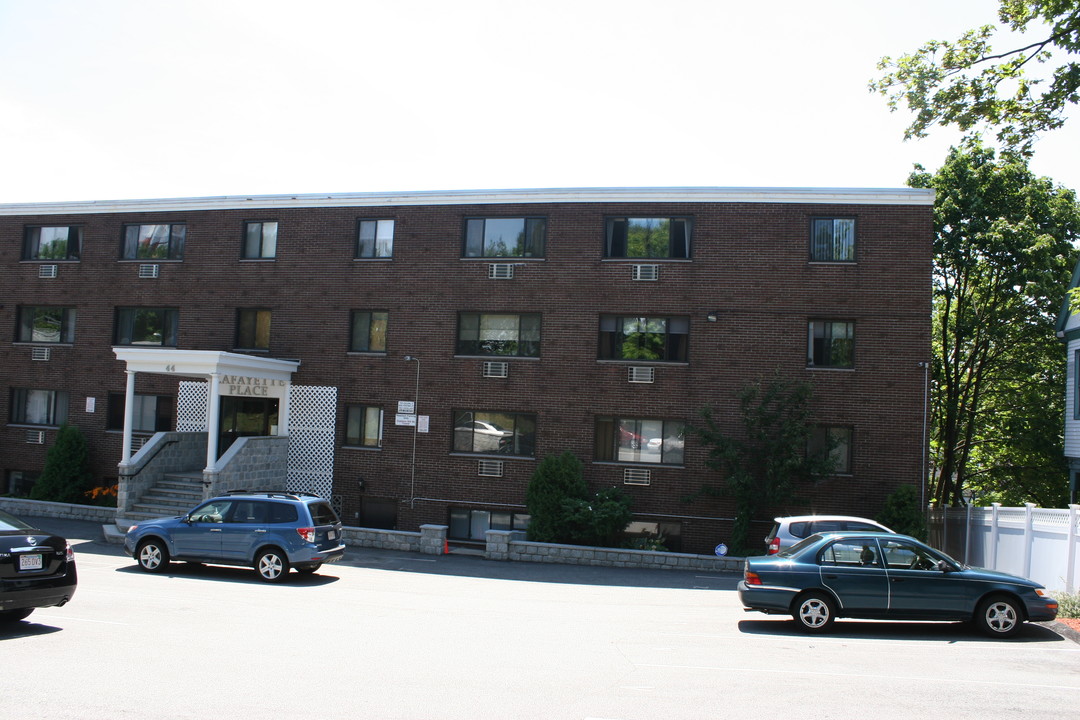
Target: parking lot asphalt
x,y
89,537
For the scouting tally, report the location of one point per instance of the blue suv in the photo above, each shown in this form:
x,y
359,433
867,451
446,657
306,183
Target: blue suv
x,y
270,531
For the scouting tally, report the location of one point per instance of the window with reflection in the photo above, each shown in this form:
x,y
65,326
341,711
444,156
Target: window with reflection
x,y
831,344
640,440
368,331
150,413
253,328
363,426
46,325
832,442
260,240
52,243
146,326
39,407
505,237
154,242
832,239
495,433
499,334
651,338
375,239
655,238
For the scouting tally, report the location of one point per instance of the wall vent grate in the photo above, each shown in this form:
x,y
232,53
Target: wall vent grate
x,y
645,272
637,476
490,468
641,374
501,271
47,271
149,271
40,353
496,369
35,437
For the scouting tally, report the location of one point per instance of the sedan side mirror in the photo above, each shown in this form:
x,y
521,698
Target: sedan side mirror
x,y
944,566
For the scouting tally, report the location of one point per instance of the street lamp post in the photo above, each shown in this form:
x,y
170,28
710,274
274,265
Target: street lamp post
x,y
416,429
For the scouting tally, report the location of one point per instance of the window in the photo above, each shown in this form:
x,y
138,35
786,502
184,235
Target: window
x,y
833,442
647,238
39,407
368,332
154,242
147,326
253,329
646,535
52,243
19,482
260,240
1076,385
152,413
46,325
832,240
494,433
363,426
639,440
851,553
505,237
375,239
632,337
474,524
497,334
831,344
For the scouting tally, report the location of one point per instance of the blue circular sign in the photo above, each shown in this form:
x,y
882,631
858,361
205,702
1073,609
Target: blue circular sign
x,y
721,549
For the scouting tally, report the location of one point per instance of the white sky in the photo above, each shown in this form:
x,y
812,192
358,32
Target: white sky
x,y
121,99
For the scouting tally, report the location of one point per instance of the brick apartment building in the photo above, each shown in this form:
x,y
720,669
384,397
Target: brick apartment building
x,y
598,321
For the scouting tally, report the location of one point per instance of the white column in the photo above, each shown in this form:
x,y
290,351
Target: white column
x,y
283,410
213,421
129,416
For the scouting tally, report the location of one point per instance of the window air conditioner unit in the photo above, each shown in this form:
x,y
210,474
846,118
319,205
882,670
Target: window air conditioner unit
x,y
149,271
138,441
645,272
495,369
501,271
491,468
641,374
35,437
637,476
40,353
47,271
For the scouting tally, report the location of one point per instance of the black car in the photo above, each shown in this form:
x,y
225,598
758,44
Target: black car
x,y
37,569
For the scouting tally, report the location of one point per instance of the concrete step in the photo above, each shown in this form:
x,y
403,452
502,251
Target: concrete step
x,y
152,509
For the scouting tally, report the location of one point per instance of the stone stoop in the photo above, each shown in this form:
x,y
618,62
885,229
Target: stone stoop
x,y
177,493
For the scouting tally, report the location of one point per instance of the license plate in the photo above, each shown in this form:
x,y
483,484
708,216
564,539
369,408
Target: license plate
x,y
331,535
30,562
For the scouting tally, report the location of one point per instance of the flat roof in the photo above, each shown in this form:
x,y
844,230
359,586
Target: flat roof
x,y
817,196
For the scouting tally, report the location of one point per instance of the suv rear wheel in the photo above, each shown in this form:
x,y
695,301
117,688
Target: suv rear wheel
x,y
272,565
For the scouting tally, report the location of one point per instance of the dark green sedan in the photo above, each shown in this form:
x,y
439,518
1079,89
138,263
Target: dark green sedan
x,y
882,576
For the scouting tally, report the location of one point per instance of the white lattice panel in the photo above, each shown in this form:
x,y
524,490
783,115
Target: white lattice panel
x,y
191,406
312,417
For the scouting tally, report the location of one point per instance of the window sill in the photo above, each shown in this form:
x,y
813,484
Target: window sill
x,y
643,260
25,343
831,262
829,368
492,456
258,260
22,426
261,351
666,363
618,463
364,448
366,353
498,358
173,261
58,261
512,258
373,259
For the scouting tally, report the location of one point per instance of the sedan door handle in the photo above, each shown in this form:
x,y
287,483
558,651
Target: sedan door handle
x,y
260,530
215,529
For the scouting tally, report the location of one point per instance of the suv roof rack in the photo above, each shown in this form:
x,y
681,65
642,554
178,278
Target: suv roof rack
x,y
292,495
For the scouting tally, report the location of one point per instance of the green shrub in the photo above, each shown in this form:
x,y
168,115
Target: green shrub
x,y
66,477
902,513
1068,604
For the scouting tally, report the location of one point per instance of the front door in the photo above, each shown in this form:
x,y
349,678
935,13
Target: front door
x,y
246,417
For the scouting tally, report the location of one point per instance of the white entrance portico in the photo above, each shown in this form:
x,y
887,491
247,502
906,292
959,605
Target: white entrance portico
x,y
228,374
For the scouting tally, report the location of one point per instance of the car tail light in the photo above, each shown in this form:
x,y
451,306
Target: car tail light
x,y
774,546
751,578
69,553
307,533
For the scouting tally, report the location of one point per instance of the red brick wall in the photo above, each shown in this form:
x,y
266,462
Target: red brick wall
x,y
749,261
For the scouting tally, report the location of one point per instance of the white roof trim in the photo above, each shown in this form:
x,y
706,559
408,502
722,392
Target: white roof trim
x,y
831,196
204,363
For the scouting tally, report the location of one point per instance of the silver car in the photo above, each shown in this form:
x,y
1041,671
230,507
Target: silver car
x,y
789,530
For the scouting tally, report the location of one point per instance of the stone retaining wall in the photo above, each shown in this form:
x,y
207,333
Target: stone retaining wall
x,y
40,508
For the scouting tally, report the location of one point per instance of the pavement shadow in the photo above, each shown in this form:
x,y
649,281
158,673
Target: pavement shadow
x,y
230,574
25,628
945,632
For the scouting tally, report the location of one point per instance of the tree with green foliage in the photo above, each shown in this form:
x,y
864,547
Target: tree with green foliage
x,y
967,84
66,476
562,511
1003,257
762,467
904,513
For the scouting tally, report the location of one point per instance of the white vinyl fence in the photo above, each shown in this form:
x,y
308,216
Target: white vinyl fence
x,y
1037,543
